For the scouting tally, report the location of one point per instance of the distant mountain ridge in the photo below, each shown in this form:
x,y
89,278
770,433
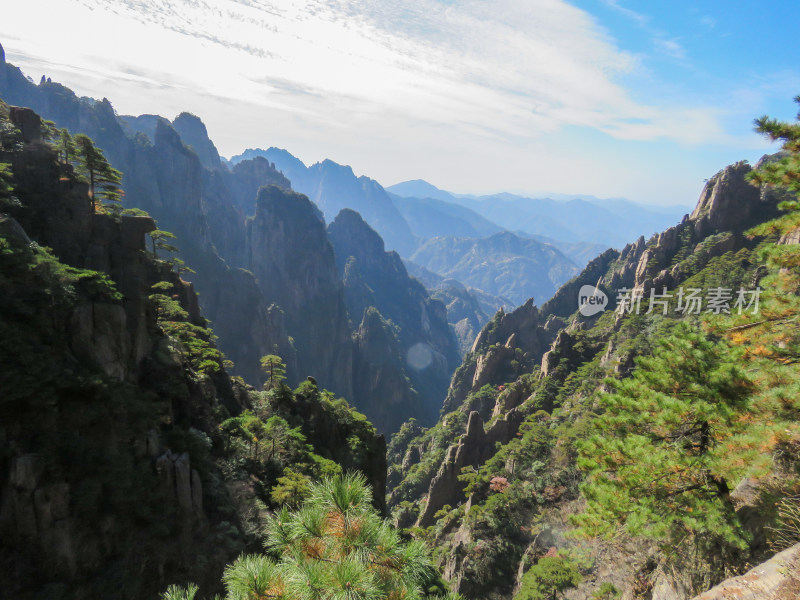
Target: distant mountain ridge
x,y
261,256
611,222
334,187
503,264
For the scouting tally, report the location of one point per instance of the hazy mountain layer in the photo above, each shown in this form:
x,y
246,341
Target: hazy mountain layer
x,y
503,265
334,187
575,219
553,428
269,284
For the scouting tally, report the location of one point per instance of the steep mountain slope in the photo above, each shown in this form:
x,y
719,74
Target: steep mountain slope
x,y
503,265
334,187
289,253
407,338
510,482
430,218
576,219
269,284
468,309
163,177
120,469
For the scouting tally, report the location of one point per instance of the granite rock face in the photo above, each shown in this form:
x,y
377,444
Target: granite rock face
x,y
776,579
420,347
334,187
194,134
289,253
90,383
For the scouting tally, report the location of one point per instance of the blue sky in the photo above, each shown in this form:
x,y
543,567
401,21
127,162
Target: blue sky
x,y
642,100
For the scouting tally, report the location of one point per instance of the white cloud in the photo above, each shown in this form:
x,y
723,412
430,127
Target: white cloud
x,y
467,92
502,68
670,47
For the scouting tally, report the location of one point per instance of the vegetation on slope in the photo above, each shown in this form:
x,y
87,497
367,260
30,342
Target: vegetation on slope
x,y
660,447
129,458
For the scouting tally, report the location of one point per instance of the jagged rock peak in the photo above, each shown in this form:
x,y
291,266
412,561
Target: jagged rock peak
x,y
351,235
728,201
193,132
2,55
285,203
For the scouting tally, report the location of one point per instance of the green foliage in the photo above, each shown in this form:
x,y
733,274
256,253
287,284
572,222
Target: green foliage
x,y
104,180
334,547
194,342
7,198
175,592
659,464
67,151
158,241
550,576
606,591
786,171
275,370
292,489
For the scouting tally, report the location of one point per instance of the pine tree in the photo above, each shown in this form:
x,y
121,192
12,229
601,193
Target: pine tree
x,y
550,576
7,198
659,464
104,180
159,238
335,547
275,370
786,171
67,150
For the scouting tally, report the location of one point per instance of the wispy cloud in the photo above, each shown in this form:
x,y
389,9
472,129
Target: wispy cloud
x,y
708,21
468,94
670,47
641,19
499,69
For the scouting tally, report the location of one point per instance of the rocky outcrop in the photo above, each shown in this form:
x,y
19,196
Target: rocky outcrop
x,y
194,135
334,187
521,336
776,579
728,202
377,280
91,387
162,176
445,488
182,483
248,176
380,383
289,253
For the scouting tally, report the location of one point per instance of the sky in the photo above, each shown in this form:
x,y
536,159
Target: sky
x,y
613,98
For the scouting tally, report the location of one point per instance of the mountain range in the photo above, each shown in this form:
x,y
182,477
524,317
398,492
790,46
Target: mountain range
x,y
636,435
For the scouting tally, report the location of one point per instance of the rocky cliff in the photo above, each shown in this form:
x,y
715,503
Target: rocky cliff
x,y
289,253
526,392
334,187
268,284
416,345
118,475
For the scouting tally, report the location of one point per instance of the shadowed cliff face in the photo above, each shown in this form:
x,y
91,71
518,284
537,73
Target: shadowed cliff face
x,y
194,134
420,347
290,299
110,484
163,177
89,381
289,253
334,187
